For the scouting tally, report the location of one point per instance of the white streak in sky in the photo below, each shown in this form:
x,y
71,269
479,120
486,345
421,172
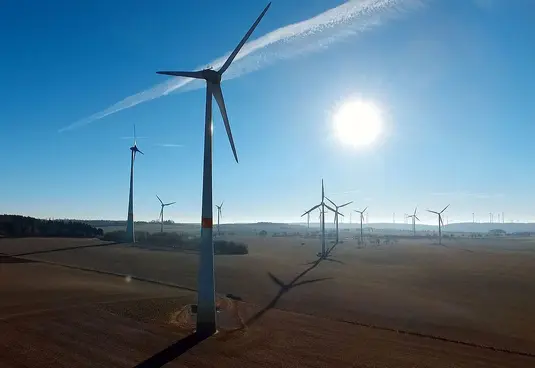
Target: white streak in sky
x,y
313,34
169,145
132,138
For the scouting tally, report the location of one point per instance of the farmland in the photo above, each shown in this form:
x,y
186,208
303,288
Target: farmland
x,y
462,304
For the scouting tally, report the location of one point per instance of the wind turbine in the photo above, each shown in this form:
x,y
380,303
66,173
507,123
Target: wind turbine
x,y
336,214
440,223
414,218
206,308
219,215
161,211
361,213
130,234
322,207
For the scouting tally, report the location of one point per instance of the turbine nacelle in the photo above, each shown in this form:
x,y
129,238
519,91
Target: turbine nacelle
x,y
135,149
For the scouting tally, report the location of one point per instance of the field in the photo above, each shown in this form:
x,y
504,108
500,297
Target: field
x,y
407,304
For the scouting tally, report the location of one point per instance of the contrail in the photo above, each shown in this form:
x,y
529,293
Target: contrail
x,y
311,35
169,145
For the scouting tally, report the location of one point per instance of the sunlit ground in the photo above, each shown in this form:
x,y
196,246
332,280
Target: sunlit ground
x,y
358,123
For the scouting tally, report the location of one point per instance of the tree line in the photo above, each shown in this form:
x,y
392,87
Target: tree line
x,y
24,226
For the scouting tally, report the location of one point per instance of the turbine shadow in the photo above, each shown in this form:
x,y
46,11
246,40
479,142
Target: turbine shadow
x,y
325,259
9,259
285,288
173,351
331,249
63,249
455,248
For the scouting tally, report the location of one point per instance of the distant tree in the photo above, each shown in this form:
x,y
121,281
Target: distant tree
x,y
23,226
262,233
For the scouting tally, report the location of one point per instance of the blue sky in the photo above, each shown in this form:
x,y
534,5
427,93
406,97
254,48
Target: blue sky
x,y
453,79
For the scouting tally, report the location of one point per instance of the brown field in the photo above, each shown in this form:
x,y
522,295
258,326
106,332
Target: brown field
x,y
409,304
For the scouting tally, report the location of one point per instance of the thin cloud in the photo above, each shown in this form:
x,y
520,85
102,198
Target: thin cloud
x,y
132,138
350,191
169,145
468,194
314,34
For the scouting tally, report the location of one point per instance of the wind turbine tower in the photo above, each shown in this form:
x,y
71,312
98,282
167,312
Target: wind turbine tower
x,y
336,215
361,215
219,215
414,218
440,223
206,307
161,211
322,207
130,233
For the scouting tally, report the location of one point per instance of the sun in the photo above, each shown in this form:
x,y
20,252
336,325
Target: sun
x,y
358,123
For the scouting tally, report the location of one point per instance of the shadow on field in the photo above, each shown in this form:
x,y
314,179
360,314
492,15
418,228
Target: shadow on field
x,y
62,249
325,259
284,288
453,248
172,352
8,259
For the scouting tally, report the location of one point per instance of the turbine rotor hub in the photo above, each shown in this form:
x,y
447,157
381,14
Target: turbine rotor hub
x,y
212,76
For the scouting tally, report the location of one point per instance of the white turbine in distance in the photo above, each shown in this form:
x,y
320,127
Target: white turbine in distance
x,y
440,223
130,233
361,215
161,211
322,207
414,218
219,216
336,215
206,306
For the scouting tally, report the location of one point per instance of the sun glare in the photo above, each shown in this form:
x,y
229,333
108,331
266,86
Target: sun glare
x,y
358,123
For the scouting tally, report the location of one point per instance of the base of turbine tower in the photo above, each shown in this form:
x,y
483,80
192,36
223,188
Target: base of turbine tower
x,y
205,330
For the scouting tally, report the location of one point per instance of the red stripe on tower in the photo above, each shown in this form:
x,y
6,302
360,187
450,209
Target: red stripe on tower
x,y
206,223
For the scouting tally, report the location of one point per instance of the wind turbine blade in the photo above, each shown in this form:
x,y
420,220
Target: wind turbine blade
x,y
415,208
135,140
159,199
364,210
168,204
444,208
322,190
243,41
196,75
310,210
435,212
218,95
416,217
137,150
221,205
330,208
327,198
345,204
